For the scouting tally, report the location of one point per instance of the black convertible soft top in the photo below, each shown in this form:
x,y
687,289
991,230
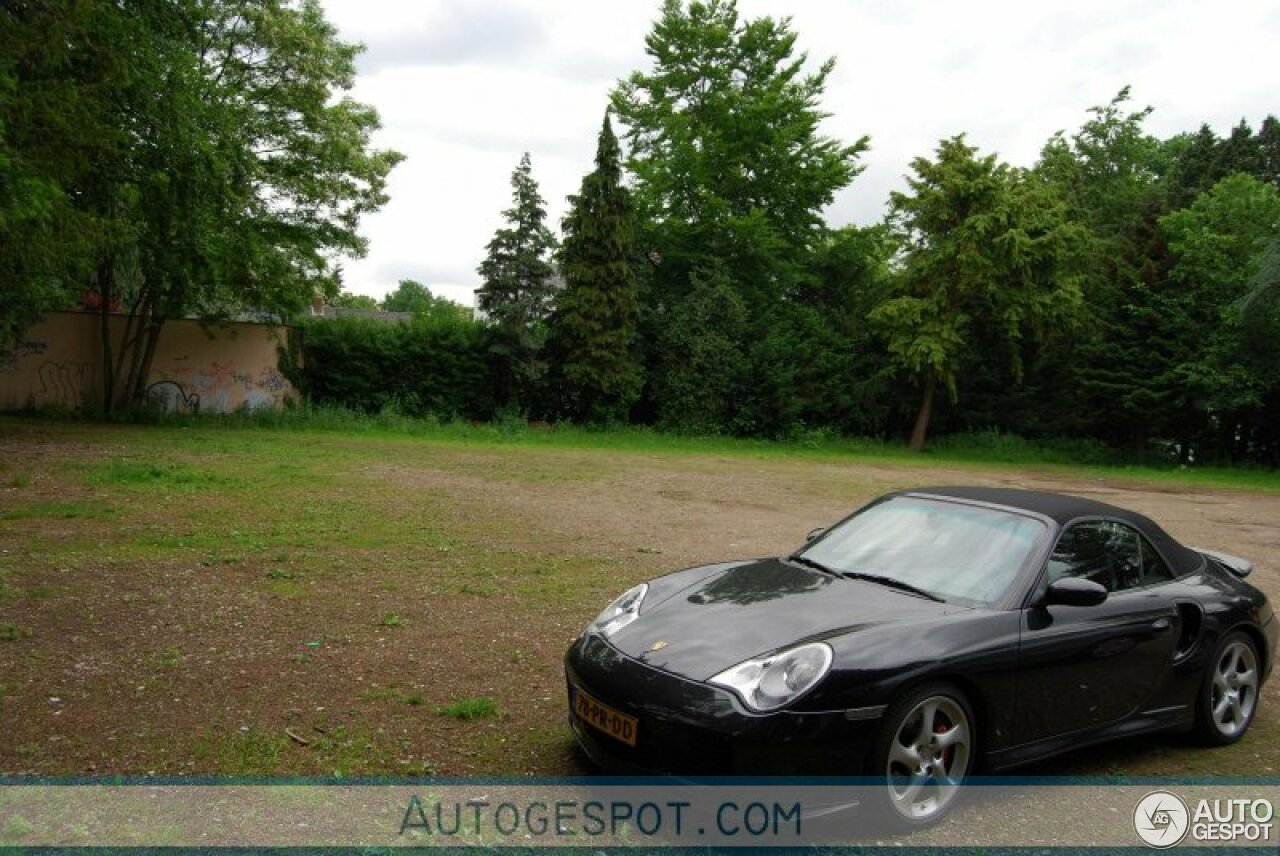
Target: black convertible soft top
x,y
1063,508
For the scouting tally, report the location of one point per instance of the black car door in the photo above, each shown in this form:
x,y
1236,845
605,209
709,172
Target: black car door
x,y
1082,666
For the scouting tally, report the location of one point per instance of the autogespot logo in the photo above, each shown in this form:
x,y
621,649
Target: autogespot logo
x,y
1161,819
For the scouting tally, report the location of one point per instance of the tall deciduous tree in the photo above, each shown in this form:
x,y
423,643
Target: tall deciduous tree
x,y
1110,173
412,296
731,170
70,71
593,328
254,170
409,296
519,287
1229,368
983,262
347,300
217,169
725,145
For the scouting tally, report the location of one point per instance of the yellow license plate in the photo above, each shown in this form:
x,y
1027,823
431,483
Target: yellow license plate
x,y
615,724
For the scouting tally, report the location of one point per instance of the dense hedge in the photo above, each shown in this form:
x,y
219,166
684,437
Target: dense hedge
x,y
435,365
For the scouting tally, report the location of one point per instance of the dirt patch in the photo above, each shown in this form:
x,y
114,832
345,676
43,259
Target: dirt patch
x,y
310,607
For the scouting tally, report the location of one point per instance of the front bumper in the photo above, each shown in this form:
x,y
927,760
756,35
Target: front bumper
x,y
689,728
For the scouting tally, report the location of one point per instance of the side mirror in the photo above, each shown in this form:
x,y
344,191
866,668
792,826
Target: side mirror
x,y
814,534
1074,591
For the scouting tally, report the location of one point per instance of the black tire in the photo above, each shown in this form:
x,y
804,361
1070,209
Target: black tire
x,y
1228,696
942,764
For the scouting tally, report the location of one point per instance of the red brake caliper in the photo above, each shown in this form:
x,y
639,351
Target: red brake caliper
x,y
940,726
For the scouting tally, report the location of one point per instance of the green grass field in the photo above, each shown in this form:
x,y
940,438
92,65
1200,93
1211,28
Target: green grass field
x,y
981,450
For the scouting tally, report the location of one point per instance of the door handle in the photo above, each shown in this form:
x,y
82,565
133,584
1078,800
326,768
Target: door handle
x,y
1160,625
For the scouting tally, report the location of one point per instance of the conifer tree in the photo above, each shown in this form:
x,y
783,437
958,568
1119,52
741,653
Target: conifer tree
x,y
594,325
518,287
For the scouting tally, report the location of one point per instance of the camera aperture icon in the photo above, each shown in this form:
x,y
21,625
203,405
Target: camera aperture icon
x,y
1161,819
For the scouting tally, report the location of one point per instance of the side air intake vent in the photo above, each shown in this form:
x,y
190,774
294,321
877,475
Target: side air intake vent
x,y
1190,623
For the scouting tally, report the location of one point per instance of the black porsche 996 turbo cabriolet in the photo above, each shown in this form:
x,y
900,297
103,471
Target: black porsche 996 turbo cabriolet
x,y
929,635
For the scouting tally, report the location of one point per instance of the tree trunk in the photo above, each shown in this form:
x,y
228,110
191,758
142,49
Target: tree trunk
x,y
922,418
130,354
138,394
105,288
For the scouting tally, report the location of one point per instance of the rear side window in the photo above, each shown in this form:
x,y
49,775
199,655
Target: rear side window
x,y
1154,568
1109,553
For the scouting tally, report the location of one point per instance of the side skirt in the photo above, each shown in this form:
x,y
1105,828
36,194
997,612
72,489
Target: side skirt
x,y
1175,718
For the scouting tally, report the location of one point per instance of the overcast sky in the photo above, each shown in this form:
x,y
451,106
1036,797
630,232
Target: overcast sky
x,y
465,86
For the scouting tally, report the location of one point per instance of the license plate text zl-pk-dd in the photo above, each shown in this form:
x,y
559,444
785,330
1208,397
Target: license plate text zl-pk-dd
x,y
604,718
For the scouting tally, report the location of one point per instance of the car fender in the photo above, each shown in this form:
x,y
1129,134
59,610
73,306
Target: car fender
x,y
977,651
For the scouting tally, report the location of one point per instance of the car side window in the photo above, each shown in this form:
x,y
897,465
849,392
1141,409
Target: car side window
x,y
1154,568
1104,551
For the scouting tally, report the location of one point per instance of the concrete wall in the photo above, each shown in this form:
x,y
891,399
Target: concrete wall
x,y
220,369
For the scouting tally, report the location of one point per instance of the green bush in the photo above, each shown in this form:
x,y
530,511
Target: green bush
x,y
430,365
993,445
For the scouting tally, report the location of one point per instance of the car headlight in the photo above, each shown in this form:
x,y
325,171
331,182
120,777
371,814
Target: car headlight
x,y
621,612
768,683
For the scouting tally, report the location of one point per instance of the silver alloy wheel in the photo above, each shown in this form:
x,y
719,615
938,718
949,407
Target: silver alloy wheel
x,y
928,757
1235,688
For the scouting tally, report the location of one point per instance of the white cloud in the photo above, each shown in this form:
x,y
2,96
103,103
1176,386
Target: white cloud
x,y
465,87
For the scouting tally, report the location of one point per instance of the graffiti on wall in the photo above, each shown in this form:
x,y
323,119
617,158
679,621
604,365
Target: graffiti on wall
x,y
272,380
170,397
10,357
62,384
219,387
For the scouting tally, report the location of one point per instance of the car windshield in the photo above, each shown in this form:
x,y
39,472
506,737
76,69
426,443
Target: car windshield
x,y
945,548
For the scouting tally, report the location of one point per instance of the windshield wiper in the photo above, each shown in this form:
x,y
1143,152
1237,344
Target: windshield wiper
x,y
891,583
870,578
816,565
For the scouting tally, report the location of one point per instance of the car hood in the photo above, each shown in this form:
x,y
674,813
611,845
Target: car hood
x,y
746,609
